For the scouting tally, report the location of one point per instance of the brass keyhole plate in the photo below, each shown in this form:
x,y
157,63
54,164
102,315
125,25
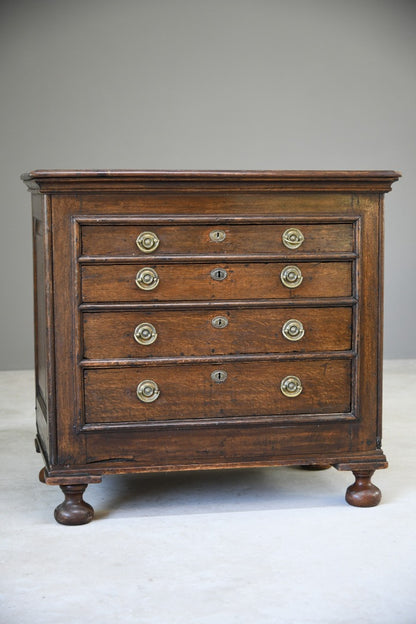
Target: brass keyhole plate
x,y
219,274
219,376
217,236
219,322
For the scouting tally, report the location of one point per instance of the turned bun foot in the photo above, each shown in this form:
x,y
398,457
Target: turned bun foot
x,y
316,466
363,493
74,510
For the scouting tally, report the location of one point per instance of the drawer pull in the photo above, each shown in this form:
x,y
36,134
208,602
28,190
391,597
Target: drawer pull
x,y
291,276
219,322
291,386
219,274
147,391
292,238
217,236
147,242
147,279
145,334
293,330
219,376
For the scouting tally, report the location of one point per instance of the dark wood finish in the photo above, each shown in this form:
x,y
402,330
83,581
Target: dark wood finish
x,y
88,365
238,444
233,304
363,493
252,204
43,325
74,510
193,281
110,335
120,240
251,389
63,181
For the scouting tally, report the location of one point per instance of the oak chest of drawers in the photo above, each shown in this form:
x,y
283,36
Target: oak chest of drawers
x,y
201,320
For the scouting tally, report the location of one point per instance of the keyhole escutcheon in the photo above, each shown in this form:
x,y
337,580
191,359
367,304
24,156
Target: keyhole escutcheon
x,y
217,236
218,274
219,376
219,322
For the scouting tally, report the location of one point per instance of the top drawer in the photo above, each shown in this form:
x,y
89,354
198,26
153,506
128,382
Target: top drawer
x,y
117,240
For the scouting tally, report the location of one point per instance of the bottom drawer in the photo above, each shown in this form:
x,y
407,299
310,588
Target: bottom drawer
x,y
219,391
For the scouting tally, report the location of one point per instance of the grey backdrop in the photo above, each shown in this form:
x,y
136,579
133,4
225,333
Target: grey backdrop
x,y
182,84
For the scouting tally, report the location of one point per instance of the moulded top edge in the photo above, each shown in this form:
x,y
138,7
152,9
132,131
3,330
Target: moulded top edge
x,y
270,175
90,181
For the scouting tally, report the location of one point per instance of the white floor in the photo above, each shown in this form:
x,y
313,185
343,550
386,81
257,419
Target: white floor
x,y
275,546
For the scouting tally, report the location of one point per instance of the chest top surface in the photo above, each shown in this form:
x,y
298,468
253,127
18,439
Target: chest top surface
x,y
61,180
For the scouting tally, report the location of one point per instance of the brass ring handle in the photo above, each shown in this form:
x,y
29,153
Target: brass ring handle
x,y
291,386
147,242
147,279
292,238
145,334
293,330
147,391
291,276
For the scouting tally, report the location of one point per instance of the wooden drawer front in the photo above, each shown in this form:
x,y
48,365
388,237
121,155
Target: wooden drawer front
x,y
110,335
120,240
194,282
217,447
188,391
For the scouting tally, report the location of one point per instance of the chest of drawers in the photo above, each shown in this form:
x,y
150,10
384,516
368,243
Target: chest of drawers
x,y
202,320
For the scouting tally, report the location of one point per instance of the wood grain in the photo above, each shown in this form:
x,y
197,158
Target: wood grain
x,y
61,181
218,447
250,389
194,282
120,240
190,332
